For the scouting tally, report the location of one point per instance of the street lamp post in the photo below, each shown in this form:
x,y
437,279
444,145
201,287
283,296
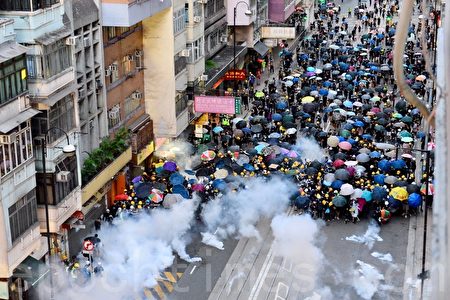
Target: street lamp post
x,y
248,12
68,149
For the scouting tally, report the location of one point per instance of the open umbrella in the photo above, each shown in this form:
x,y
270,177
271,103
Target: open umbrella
x,y
339,201
277,117
179,189
124,196
399,193
345,145
390,179
414,200
221,173
176,178
170,166
333,141
302,202
346,189
384,146
156,196
172,199
143,190
367,195
208,155
291,131
363,157
342,174
217,129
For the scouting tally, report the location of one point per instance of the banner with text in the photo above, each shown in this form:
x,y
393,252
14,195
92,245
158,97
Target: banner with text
x,y
285,33
215,104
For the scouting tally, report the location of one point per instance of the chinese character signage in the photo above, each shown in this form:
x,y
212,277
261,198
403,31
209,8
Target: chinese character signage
x,y
215,104
235,75
237,105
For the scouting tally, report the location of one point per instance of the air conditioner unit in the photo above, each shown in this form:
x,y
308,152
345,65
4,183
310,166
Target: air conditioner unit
x,y
91,124
204,77
136,95
197,19
138,53
113,67
24,102
63,176
7,139
86,42
203,1
82,93
71,40
185,53
223,39
98,84
130,57
108,72
113,114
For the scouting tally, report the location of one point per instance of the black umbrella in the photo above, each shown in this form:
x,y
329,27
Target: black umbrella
x,y
143,190
413,188
241,124
381,115
400,106
237,168
340,155
289,125
159,186
401,183
311,171
382,121
342,174
316,164
225,137
310,107
256,128
366,107
205,171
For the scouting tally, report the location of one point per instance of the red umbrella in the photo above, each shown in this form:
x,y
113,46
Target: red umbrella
x,y
375,110
351,171
198,187
121,197
345,145
338,163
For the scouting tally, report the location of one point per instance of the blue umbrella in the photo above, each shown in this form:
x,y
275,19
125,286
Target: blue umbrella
x,y
302,201
337,184
176,178
249,167
367,137
379,193
327,84
217,129
347,126
379,178
348,103
391,32
327,110
375,154
398,164
352,141
380,36
348,77
374,68
414,200
310,69
323,92
394,203
358,124
281,105
384,165
277,117
274,135
367,195
341,139
179,189
219,184
246,130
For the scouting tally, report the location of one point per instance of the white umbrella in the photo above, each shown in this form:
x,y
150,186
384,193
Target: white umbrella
x,y
357,194
289,77
384,146
171,199
351,163
334,47
291,130
347,189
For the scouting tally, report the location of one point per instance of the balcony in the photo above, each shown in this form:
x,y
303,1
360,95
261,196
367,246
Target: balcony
x,y
58,214
24,246
43,88
99,181
126,13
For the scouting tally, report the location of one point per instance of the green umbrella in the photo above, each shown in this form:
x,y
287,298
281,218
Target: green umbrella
x,y
379,128
339,201
259,94
201,148
406,119
345,133
397,116
404,133
288,118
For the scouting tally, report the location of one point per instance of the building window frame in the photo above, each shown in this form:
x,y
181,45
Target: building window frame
x,y
13,79
22,215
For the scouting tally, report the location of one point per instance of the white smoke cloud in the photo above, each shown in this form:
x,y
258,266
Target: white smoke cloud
x,y
180,151
370,236
236,214
309,149
295,239
387,257
367,280
134,252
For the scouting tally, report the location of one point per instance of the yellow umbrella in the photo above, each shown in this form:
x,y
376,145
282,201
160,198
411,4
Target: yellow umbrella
x,y
307,99
399,193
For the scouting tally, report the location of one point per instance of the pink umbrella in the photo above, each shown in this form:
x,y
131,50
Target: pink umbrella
x,y
292,154
338,163
198,187
345,145
351,171
284,151
375,110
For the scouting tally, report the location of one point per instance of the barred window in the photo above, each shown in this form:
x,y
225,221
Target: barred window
x,y
13,79
132,103
22,215
180,64
197,49
18,150
179,23
56,58
114,116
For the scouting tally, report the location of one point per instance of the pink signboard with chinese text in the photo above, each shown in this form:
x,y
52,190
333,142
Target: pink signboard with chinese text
x,y
215,104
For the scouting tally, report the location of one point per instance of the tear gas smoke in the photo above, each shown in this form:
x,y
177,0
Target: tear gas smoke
x,y
370,236
236,214
366,280
383,257
309,149
135,251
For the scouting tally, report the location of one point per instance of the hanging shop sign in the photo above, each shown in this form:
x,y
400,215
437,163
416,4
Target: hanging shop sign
x,y
235,75
285,33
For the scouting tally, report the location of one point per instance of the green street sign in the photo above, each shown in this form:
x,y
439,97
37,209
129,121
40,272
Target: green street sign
x,y
237,105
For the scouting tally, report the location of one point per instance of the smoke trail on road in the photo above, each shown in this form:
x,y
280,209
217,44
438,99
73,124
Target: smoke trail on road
x,y
236,214
370,236
367,280
135,251
295,241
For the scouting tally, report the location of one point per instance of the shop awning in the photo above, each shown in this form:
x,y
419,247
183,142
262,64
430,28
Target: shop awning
x,y
223,61
139,122
12,123
261,48
10,50
31,270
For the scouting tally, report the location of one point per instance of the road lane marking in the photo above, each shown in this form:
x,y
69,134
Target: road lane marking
x,y
159,291
168,286
170,277
262,275
285,262
281,285
193,269
179,275
148,294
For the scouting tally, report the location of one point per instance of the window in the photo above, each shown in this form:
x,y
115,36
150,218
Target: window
x,y
114,116
209,9
110,32
180,64
13,78
197,9
18,151
213,40
179,23
197,50
127,64
55,59
180,103
58,191
60,115
26,5
114,67
220,4
132,103
22,215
